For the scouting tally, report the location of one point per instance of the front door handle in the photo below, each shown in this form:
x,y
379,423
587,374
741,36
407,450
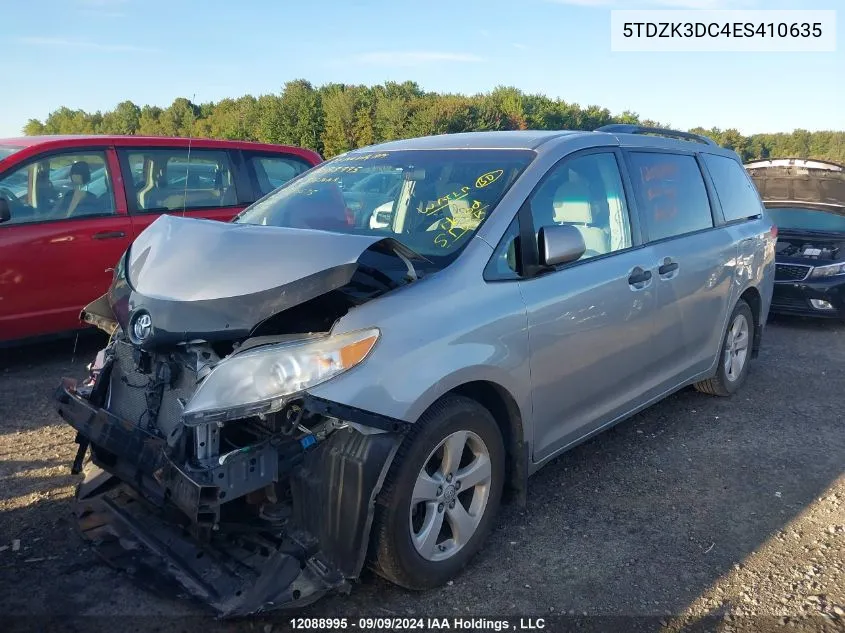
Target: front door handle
x,y
108,235
668,266
639,277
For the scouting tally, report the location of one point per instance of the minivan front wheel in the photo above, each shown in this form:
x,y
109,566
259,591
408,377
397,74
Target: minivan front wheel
x,y
441,495
735,355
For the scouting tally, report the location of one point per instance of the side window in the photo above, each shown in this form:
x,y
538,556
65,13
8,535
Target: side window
x,y
586,192
736,192
671,194
505,262
170,179
274,171
59,187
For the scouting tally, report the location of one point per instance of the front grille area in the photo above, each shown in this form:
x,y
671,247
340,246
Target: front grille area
x,y
791,272
128,394
789,303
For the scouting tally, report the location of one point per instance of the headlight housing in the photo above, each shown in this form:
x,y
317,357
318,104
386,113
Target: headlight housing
x,y
261,380
820,272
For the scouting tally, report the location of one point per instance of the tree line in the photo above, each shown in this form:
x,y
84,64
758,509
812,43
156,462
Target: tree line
x,y
334,118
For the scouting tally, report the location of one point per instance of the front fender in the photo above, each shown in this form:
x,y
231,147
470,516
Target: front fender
x,y
436,335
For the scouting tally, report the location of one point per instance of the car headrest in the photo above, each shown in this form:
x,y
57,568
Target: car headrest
x,y
81,169
320,208
572,203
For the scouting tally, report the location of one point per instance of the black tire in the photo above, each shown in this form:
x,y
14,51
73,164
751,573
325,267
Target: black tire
x,y
721,384
393,554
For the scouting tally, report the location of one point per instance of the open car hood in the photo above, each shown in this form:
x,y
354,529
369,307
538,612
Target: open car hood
x,y
799,183
203,279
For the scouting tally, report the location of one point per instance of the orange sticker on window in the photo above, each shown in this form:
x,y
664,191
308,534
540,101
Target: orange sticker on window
x,y
662,213
661,192
660,171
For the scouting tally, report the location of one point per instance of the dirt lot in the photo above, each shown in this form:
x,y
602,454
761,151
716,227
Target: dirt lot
x,y
696,507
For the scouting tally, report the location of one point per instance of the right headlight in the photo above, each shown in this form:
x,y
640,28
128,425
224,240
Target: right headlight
x,y
261,380
820,272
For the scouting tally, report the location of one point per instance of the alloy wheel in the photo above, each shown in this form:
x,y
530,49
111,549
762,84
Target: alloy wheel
x,y
450,495
736,348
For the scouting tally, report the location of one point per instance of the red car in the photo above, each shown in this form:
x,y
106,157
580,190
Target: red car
x,y
71,205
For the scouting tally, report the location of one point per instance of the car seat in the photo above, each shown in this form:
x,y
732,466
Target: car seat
x,y
224,188
322,208
45,193
572,205
154,197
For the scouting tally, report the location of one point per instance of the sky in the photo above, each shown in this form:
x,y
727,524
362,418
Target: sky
x,y
92,54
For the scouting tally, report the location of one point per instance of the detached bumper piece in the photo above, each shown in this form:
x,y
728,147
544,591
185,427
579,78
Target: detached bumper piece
x,y
237,575
149,517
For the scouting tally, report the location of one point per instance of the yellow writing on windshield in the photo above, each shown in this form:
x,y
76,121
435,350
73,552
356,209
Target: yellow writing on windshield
x,y
358,157
307,187
344,169
489,178
444,201
464,218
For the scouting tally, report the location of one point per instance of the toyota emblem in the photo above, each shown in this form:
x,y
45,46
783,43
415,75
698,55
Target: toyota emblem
x,y
142,326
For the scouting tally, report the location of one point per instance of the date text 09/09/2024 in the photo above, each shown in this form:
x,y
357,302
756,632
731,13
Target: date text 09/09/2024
x,y
424,624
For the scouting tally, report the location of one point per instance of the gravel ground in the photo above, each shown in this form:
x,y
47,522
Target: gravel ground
x,y
696,514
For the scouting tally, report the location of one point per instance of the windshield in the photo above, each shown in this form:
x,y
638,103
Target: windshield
x,y
797,219
8,150
433,201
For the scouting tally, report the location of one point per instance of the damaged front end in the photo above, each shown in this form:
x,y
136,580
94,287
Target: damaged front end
x,y
211,466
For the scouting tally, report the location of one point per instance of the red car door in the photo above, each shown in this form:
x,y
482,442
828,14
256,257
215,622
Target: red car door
x,y
67,231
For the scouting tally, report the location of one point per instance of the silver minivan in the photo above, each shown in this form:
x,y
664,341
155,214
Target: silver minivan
x,y
348,377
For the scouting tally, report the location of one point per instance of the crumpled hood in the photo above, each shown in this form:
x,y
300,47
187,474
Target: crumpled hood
x,y
212,280
187,259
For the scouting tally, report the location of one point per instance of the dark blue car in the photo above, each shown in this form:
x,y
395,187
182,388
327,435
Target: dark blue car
x,y
806,200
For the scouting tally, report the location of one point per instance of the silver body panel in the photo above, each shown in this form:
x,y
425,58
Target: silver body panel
x,y
578,349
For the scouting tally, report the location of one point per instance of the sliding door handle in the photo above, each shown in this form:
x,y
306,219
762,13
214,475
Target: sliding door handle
x,y
667,267
639,277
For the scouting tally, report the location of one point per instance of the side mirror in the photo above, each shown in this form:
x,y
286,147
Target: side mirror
x,y
5,211
560,244
381,216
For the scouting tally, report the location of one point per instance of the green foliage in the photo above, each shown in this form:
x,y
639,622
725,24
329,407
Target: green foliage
x,y
335,118
124,119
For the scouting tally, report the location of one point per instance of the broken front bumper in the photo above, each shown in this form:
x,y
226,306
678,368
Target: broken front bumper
x,y
146,515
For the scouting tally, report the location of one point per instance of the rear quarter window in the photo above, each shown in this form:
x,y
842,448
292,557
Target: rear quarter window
x,y
272,171
737,193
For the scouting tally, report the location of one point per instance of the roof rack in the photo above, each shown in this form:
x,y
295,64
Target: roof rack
x,y
629,128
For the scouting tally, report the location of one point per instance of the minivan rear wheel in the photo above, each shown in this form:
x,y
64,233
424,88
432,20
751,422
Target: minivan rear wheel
x,y
735,356
440,496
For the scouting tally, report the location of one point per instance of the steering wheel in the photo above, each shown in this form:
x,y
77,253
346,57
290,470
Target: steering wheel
x,y
5,192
